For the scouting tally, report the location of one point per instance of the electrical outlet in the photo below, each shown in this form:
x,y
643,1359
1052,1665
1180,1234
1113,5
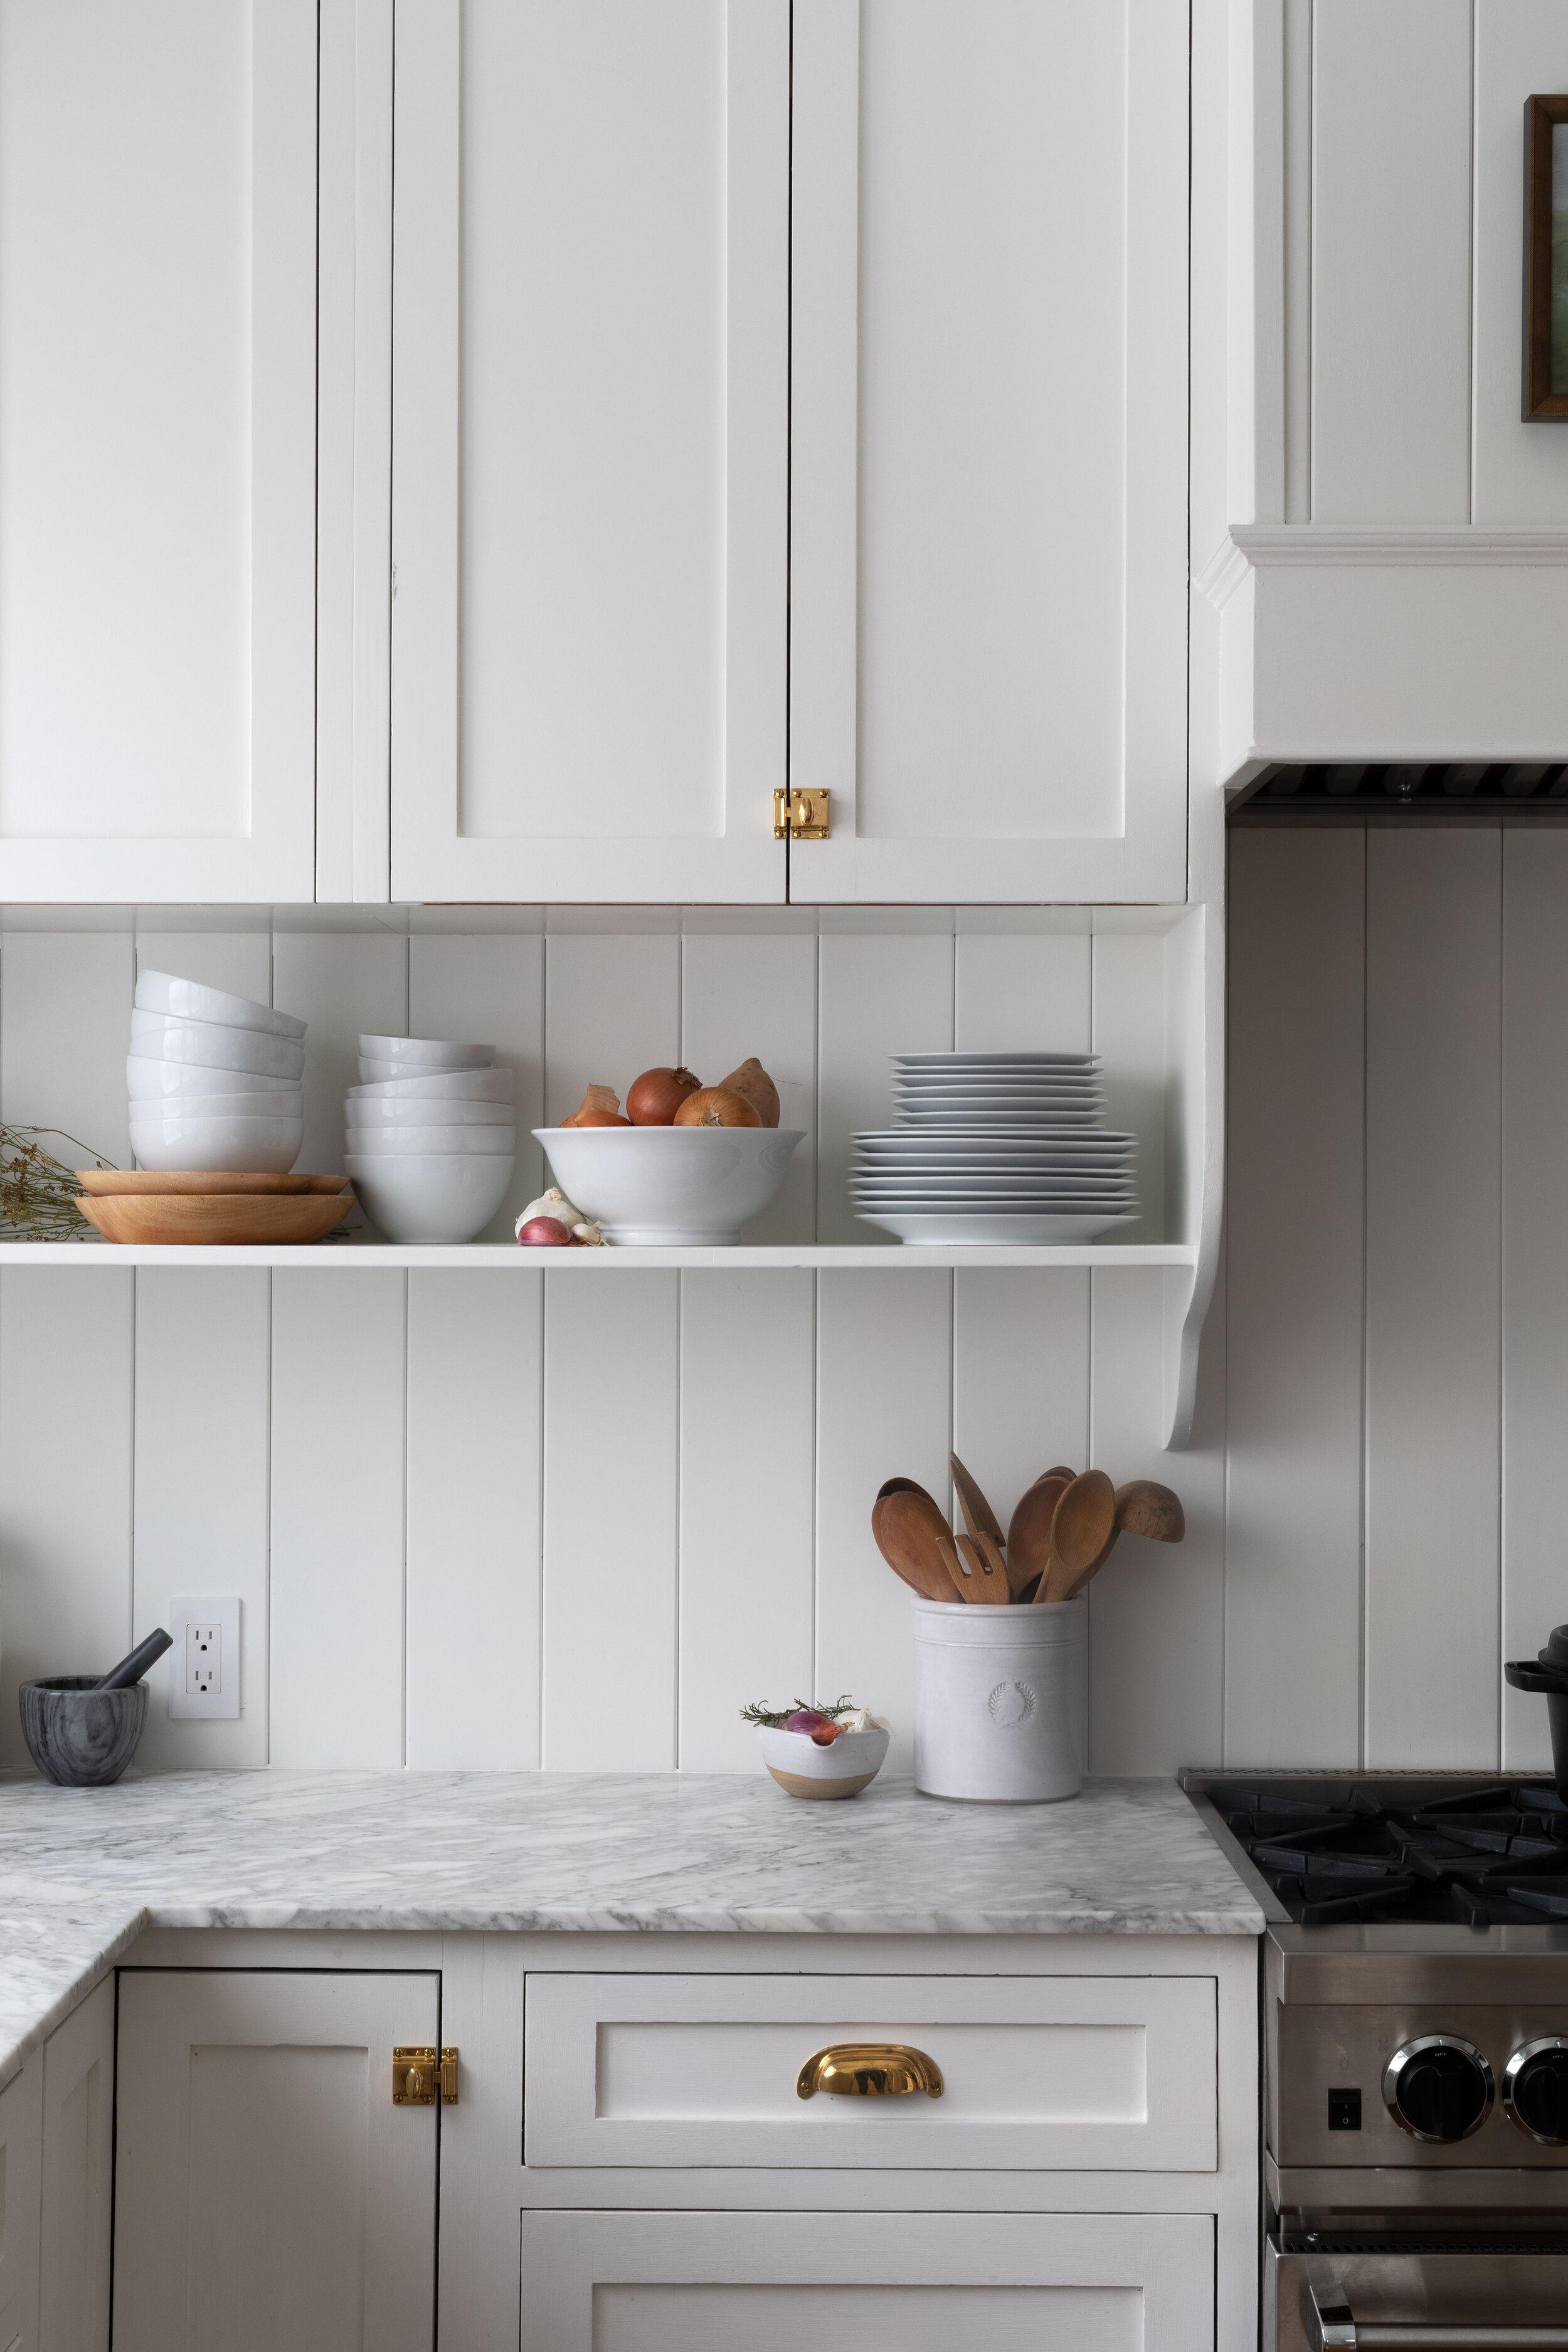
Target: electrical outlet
x,y
203,1664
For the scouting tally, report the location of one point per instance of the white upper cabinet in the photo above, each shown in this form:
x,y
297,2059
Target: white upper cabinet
x,y
157,448
988,563
590,449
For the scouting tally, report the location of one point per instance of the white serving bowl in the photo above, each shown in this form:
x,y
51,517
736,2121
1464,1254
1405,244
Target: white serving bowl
x,y
151,1079
477,1142
284,1103
428,1111
439,1086
427,1052
803,1770
430,1196
164,992
258,1146
213,1044
669,1185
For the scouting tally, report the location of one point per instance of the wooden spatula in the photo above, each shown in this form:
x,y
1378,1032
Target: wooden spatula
x,y
987,1580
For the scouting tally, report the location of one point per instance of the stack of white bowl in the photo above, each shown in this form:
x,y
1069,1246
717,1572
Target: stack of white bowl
x,y
214,1080
431,1139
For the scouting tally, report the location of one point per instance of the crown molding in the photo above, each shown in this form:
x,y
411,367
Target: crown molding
x,y
1267,546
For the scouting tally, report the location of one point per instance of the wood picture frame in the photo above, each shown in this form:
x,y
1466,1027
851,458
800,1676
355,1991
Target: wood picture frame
x,y
1545,259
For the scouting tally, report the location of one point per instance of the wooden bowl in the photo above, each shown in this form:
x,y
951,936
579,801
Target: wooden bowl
x,y
107,1180
216,1217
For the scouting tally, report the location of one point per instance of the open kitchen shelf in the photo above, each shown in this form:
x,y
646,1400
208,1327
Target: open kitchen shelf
x,y
320,1257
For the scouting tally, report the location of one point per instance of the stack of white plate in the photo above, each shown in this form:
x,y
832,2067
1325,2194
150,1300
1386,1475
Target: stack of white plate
x,y
431,1136
214,1080
996,1148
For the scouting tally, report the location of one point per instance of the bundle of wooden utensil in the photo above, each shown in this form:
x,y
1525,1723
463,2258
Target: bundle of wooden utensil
x,y
1060,1536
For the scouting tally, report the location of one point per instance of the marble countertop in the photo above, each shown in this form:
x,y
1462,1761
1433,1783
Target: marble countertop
x,y
85,1870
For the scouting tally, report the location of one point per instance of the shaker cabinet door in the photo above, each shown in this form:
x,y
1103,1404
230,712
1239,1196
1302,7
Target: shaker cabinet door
x,y
266,2190
926,2282
78,2170
989,418
590,459
157,449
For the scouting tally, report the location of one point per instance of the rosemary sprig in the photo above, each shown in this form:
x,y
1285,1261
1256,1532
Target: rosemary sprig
x,y
774,1717
38,1192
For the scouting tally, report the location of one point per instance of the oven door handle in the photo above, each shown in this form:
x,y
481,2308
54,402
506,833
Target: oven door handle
x,y
1333,2328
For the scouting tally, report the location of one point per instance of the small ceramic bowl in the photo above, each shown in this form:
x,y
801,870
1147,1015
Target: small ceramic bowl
x,y
165,991
803,1770
80,1737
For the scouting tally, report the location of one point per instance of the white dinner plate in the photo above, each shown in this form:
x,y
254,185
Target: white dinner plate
x,y
1033,1196
1015,1121
967,1227
1026,1061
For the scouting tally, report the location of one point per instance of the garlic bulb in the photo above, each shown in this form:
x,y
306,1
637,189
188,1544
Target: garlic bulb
x,y
590,1233
552,1203
861,1719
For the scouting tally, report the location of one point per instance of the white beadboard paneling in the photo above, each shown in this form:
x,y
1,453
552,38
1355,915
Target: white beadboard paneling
x,y
1433,1020
1020,1379
1156,1611
203,1369
64,1025
491,988
1535,1264
611,1522
65,1479
747,1479
1028,991
612,1011
1293,1243
1391,257
1130,1036
877,996
745,996
341,982
473,1563
337,1647
883,1410
1521,470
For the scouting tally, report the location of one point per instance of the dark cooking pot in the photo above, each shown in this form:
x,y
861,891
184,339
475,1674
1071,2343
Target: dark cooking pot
x,y
1547,1673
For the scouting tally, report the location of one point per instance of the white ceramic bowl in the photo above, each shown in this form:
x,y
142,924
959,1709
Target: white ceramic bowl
x,y
213,1044
164,992
151,1079
430,1196
427,1052
439,1086
428,1111
477,1142
282,1105
669,1185
805,1770
259,1147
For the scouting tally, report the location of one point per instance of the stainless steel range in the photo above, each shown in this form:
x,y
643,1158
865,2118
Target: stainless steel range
x,y
1414,1991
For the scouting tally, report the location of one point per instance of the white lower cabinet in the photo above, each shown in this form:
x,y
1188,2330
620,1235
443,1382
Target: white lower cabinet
x,y
919,2283
21,2140
267,2192
78,2170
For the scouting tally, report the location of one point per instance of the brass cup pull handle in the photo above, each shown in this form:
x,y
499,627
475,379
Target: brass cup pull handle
x,y
869,2070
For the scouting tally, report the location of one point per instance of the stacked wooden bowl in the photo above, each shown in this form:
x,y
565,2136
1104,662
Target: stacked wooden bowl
x,y
216,1207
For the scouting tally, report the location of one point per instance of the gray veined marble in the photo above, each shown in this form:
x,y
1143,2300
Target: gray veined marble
x,y
523,1852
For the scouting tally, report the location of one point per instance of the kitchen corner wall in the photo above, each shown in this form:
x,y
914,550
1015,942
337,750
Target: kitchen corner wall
x,y
483,1519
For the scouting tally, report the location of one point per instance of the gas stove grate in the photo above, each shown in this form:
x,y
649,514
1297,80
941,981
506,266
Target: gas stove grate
x,y
1420,2241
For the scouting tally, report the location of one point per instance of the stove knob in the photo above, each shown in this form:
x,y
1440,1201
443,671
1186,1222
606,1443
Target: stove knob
x,y
1438,2087
1535,2090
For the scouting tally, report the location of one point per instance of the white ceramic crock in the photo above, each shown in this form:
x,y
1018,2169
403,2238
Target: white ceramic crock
x,y
1001,1701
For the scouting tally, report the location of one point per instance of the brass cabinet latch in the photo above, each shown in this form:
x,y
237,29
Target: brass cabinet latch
x,y
418,2071
869,2070
800,816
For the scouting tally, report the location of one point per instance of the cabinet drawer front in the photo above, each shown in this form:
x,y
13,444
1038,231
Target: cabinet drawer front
x,y
709,2281
1064,2072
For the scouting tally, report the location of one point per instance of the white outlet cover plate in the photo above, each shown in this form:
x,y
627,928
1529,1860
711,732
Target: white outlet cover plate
x,y
203,1609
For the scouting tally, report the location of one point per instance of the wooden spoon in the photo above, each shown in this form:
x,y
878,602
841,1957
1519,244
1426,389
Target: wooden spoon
x,y
1029,1530
1082,1533
978,1516
915,1539
985,1583
1145,1508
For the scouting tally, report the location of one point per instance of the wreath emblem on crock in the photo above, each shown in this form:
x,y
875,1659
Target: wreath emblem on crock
x,y
1010,1704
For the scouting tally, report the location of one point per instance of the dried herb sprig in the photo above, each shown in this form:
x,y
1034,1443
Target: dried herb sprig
x,y
774,1718
38,1192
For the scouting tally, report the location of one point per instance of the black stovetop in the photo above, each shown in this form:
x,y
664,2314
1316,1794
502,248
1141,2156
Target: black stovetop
x,y
1486,1854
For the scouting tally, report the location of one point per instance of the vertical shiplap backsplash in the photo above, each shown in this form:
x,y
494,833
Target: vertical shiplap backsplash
x,y
479,1520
